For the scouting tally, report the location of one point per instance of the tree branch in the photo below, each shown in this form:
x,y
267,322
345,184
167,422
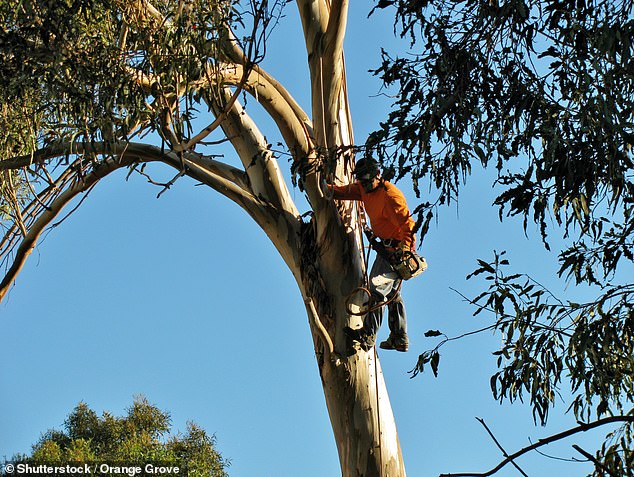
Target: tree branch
x,y
336,29
548,440
221,116
594,460
314,15
291,120
58,149
28,243
259,162
319,326
226,179
497,443
237,57
145,9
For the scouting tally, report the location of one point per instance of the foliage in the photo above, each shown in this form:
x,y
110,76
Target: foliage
x,y
137,439
543,91
92,70
83,77
547,341
76,63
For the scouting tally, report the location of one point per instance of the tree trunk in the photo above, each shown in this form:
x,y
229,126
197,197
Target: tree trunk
x,y
361,417
356,396
332,263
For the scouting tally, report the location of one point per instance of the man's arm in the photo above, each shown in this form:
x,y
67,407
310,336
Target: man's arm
x,y
347,192
401,217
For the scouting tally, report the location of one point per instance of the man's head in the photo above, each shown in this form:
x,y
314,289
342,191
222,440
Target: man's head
x,y
367,172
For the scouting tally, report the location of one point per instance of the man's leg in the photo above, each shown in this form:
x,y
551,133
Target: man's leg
x,y
383,282
396,316
397,321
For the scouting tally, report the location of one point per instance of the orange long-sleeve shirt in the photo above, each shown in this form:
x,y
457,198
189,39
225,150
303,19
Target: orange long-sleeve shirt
x,y
385,207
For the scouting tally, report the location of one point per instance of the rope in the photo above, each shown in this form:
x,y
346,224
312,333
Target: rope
x,y
374,307
323,106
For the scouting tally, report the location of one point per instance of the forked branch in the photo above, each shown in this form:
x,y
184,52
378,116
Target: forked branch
x,y
542,442
290,119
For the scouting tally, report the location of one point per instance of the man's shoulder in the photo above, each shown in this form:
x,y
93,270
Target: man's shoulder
x,y
392,190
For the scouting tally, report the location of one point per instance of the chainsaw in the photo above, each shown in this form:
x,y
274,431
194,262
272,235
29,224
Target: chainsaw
x,y
406,263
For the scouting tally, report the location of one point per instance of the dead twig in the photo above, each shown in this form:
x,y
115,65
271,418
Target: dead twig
x,y
497,443
583,427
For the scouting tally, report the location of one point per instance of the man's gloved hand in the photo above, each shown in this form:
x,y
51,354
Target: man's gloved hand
x,y
327,190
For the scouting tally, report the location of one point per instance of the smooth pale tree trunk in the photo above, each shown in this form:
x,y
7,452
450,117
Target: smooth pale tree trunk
x,y
361,416
356,396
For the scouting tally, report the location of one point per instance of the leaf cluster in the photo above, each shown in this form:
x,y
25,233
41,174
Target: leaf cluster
x,y
546,340
544,91
99,69
552,347
61,63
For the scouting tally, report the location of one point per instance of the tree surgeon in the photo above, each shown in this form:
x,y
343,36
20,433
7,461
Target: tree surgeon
x,y
392,224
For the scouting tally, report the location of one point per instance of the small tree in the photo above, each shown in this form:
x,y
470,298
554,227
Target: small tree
x,y
140,438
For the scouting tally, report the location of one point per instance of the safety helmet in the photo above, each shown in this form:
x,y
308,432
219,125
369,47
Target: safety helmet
x,y
366,168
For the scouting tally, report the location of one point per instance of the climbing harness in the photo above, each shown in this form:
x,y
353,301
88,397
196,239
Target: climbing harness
x,y
405,263
380,249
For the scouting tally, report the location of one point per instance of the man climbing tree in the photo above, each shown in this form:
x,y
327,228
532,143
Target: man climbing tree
x,y
392,223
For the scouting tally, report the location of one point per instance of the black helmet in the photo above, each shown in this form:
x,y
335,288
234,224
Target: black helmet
x,y
366,168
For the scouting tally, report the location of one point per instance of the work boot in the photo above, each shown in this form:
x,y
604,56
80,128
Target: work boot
x,y
399,343
366,342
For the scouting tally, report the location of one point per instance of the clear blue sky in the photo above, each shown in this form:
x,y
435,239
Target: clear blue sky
x,y
184,300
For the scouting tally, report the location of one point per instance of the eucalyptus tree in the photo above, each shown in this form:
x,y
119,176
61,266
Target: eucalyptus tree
x,y
542,92
94,86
